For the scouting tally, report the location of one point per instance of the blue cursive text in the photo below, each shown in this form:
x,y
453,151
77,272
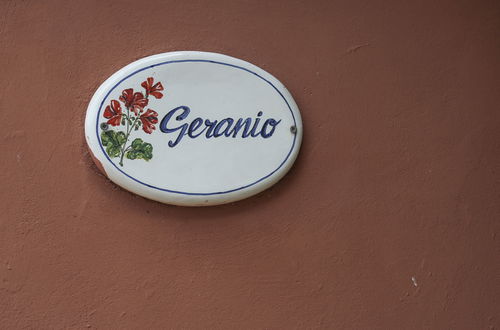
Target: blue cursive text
x,y
227,127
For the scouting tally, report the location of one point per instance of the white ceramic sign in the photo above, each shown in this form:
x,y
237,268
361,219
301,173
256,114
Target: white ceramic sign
x,y
193,128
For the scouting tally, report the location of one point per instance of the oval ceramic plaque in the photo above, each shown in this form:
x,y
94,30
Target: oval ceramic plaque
x,y
193,128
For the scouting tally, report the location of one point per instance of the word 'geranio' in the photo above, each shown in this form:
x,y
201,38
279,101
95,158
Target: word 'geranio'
x,y
227,127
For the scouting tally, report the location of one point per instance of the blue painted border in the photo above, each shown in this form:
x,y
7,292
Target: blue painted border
x,y
182,192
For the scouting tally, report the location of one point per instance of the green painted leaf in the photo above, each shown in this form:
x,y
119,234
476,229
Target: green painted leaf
x,y
140,150
113,141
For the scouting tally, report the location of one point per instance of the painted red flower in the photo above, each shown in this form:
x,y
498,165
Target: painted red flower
x,y
113,113
152,89
134,101
148,119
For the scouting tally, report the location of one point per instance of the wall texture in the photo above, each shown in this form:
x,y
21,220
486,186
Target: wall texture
x,y
390,218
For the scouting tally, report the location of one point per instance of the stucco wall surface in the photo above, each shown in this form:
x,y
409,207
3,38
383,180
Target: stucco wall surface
x,y
390,218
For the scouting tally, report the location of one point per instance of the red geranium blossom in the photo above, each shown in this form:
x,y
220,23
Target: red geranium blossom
x,y
152,89
148,119
113,113
134,101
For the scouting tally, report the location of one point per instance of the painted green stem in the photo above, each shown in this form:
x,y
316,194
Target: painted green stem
x,y
129,130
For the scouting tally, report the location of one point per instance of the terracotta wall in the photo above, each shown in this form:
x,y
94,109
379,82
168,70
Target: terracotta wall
x,y
388,220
